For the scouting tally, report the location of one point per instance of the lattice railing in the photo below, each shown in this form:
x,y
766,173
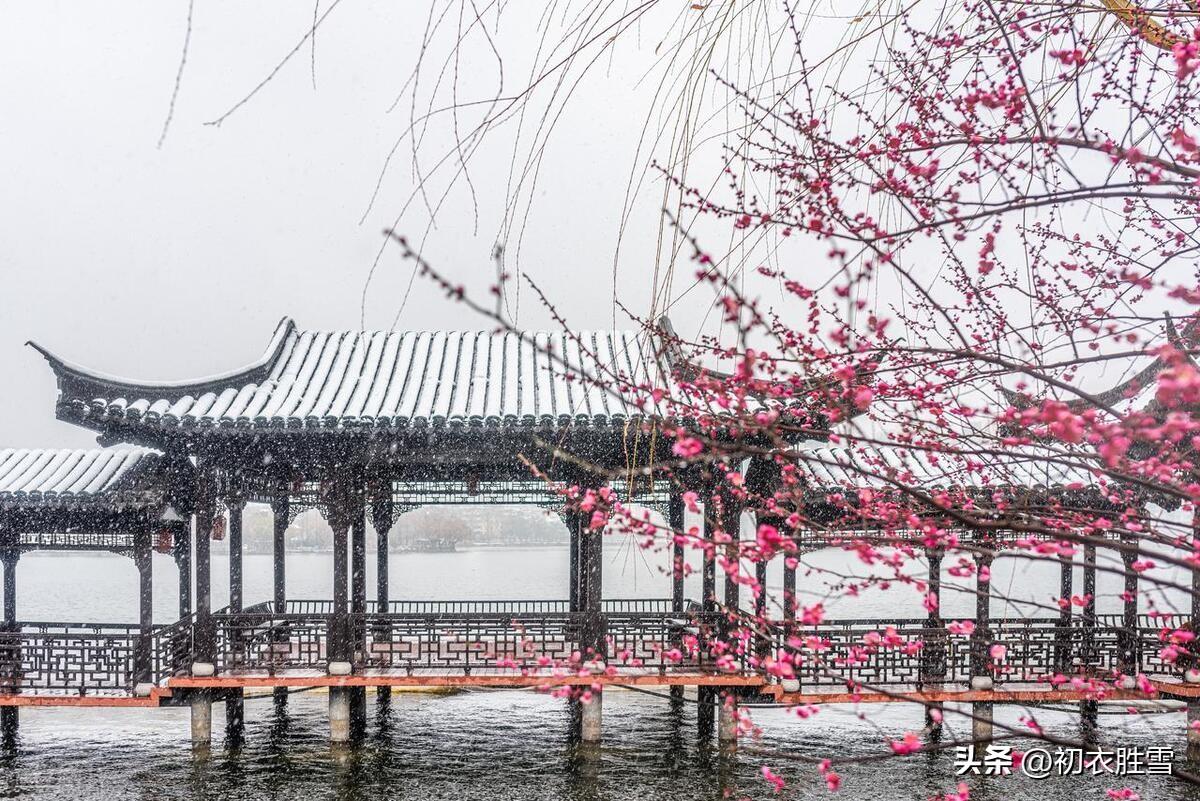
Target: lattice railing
x,y
474,636
836,653
77,659
451,640
505,606
264,641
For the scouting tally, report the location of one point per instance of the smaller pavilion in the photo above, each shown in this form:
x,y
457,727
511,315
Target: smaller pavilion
x,y
122,500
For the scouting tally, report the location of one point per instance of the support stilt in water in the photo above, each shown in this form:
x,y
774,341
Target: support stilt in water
x,y
339,715
676,692
9,715
235,717
574,720
358,711
1193,730
705,712
383,703
981,723
10,718
1088,721
727,726
1193,707
934,715
280,694
591,717
201,705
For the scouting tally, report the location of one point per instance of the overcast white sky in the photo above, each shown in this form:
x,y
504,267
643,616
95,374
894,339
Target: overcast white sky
x,y
178,262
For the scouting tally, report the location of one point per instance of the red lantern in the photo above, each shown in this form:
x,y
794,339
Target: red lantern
x,y
218,529
165,541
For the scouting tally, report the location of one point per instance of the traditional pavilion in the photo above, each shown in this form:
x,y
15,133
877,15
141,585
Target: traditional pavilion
x,y
365,425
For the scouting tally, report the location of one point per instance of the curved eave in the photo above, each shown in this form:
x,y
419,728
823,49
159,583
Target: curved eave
x,y
115,503
76,381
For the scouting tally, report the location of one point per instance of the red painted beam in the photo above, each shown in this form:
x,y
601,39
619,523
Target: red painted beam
x,y
152,700
460,680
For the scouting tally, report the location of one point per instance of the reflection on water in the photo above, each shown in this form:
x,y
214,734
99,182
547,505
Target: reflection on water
x,y
500,744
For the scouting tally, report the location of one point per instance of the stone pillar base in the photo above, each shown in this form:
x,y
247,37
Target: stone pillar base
x,y
591,717
339,715
201,705
727,721
981,722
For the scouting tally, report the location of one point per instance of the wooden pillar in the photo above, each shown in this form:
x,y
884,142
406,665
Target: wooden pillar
x,y
760,578
338,646
574,578
1062,638
382,520
358,573
591,589
933,655
1193,676
358,609
708,570
981,643
205,649
1088,710
676,524
235,714
790,602
9,715
344,512
383,517
183,562
145,569
762,624
9,557
1089,614
731,524
586,718
1130,658
235,503
280,512
708,579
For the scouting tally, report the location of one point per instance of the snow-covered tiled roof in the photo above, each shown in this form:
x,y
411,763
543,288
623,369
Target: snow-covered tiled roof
x,y
363,379
118,477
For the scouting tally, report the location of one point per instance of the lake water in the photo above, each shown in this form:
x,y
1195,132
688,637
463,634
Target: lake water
x,y
500,744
